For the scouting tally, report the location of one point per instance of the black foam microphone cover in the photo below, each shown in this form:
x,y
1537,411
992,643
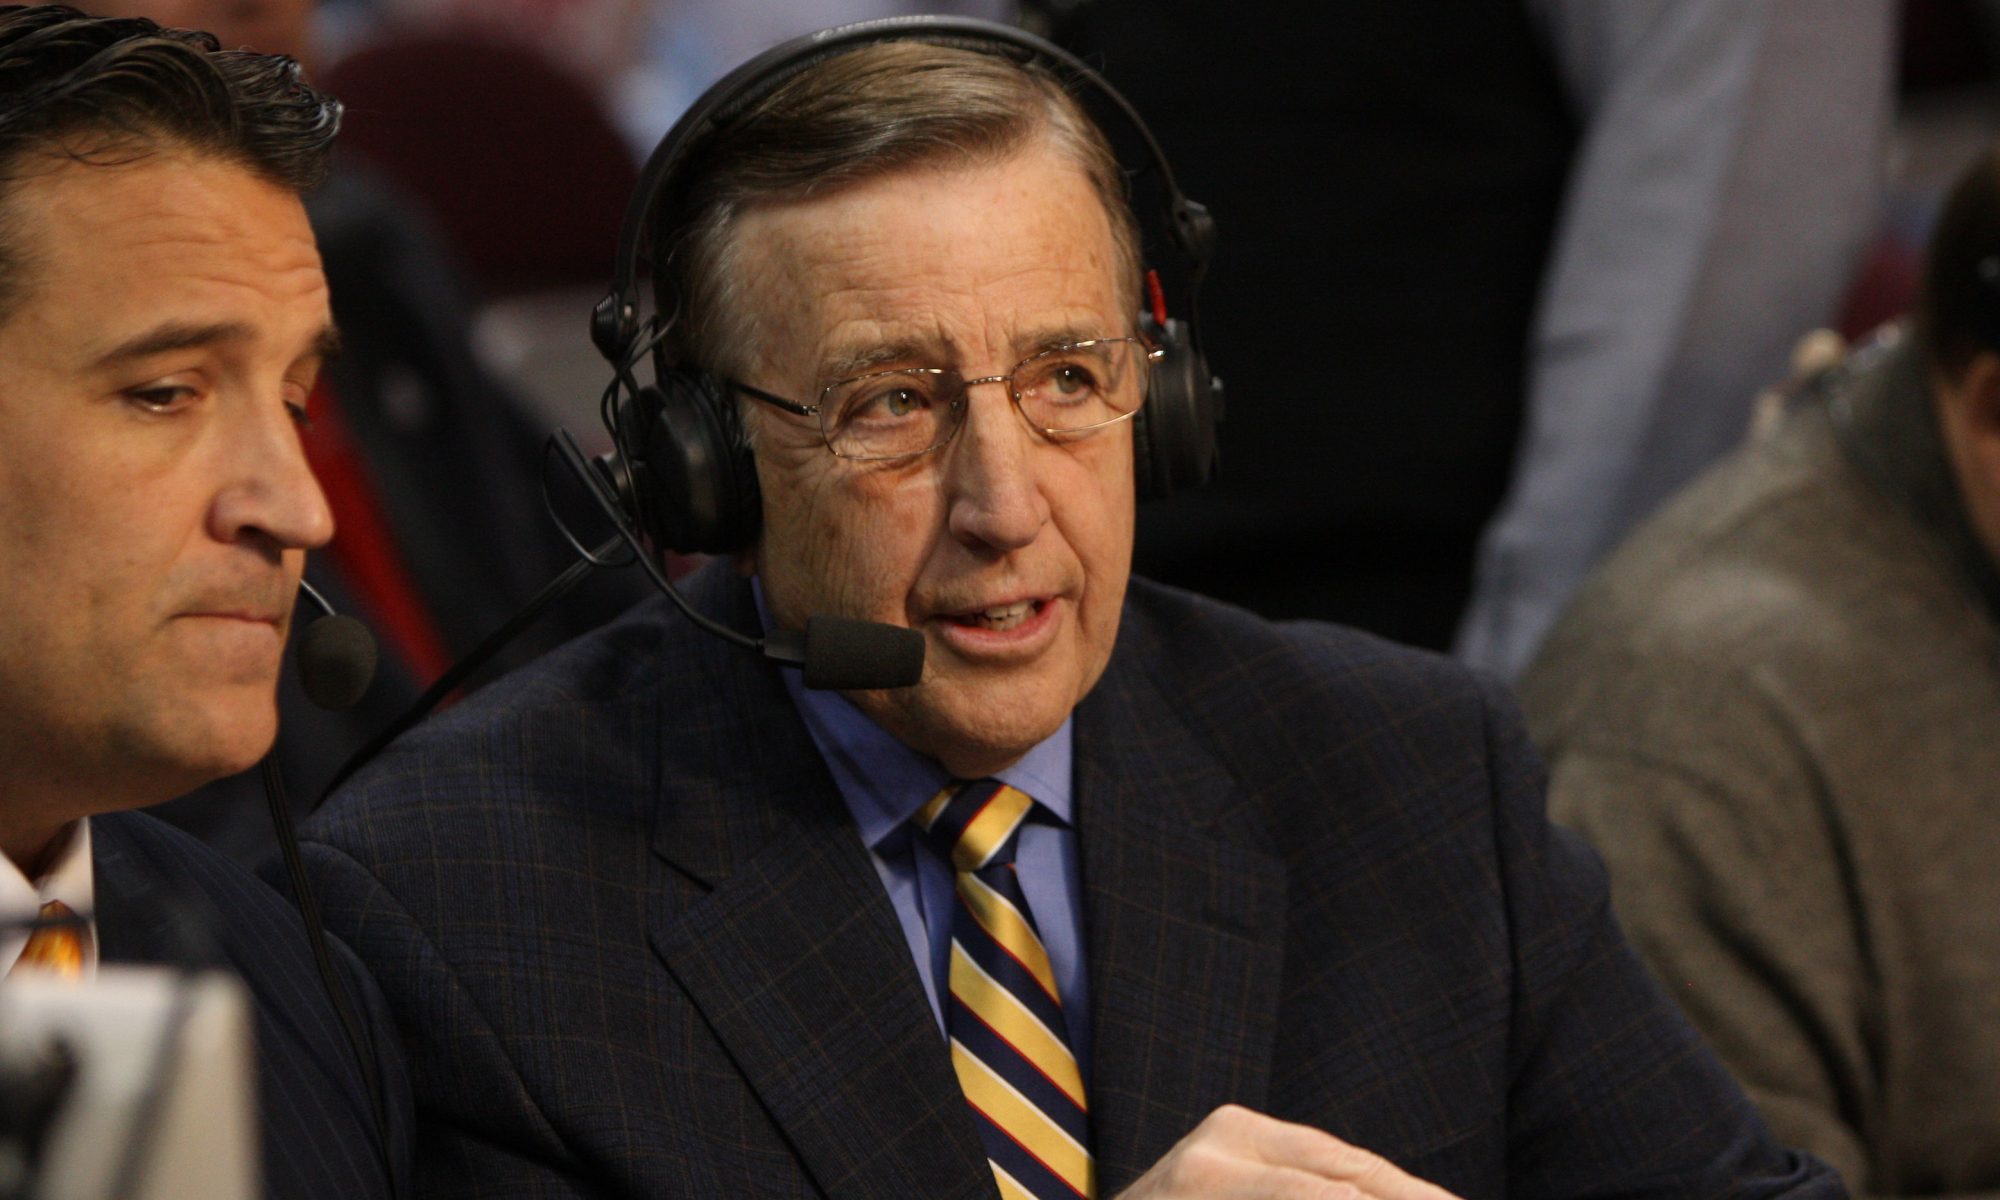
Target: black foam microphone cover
x,y
848,655
336,658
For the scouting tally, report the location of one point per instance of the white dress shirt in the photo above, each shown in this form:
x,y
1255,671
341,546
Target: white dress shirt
x,y
68,879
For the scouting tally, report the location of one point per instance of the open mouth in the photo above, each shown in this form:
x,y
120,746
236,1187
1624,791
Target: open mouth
x,y
999,618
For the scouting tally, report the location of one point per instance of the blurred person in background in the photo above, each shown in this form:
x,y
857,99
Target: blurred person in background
x,y
1492,286
1776,711
647,59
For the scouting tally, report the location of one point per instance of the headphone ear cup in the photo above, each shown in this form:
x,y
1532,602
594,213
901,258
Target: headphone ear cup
x,y
694,482
1174,435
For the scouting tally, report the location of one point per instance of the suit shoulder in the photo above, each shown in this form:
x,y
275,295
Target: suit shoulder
x,y
152,866
1330,737
578,711
137,850
1769,584
1202,648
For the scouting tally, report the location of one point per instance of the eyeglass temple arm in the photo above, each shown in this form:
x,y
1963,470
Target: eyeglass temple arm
x,y
791,406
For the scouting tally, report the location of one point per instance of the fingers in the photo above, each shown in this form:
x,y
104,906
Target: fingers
x,y
1318,1153
1237,1154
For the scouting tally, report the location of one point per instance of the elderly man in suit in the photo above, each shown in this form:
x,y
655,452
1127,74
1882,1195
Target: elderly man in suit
x,y
1132,892
162,318
1777,713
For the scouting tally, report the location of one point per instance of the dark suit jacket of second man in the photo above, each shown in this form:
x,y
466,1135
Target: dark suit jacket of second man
x,y
638,949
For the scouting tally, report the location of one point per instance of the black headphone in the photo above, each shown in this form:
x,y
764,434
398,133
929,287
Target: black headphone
x,y
681,466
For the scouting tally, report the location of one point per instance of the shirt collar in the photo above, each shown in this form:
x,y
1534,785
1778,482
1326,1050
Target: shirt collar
x,y
884,782
70,878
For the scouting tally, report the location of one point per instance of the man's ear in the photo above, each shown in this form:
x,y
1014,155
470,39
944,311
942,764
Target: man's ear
x,y
1969,420
1978,392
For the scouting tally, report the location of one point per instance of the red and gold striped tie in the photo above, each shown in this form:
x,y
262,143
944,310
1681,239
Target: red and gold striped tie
x,y
1009,1042
55,948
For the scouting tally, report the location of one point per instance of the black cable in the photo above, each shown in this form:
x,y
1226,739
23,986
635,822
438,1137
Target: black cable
x,y
448,682
307,902
779,647
594,556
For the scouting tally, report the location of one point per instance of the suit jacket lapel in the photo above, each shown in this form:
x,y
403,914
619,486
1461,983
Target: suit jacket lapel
x,y
1184,911
796,959
139,918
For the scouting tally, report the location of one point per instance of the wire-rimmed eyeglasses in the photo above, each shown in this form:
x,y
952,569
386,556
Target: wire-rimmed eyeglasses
x,y
1065,391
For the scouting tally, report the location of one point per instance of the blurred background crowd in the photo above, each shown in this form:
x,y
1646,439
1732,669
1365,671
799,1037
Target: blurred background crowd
x,y
1489,290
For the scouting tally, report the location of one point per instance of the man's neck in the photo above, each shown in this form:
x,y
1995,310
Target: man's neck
x,y
32,846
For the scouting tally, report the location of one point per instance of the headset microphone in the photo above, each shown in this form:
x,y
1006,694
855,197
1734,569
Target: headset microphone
x,y
845,654
336,656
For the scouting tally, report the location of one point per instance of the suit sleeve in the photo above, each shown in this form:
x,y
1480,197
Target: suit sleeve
x,y
1739,909
1736,878
1608,1080
477,1133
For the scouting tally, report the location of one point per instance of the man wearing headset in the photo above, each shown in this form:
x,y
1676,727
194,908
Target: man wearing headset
x,y
1774,712
162,317
1132,893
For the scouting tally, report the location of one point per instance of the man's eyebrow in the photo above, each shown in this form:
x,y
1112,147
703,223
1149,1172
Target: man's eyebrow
x,y
860,362
179,335
327,345
1049,337
176,335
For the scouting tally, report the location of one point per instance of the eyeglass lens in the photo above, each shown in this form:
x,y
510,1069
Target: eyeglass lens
x,y
890,414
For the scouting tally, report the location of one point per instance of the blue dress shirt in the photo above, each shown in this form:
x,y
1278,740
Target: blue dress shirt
x,y
885,782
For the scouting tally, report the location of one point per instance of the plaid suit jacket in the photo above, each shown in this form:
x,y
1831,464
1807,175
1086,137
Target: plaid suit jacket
x,y
638,949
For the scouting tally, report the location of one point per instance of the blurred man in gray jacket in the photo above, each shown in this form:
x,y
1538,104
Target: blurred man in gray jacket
x,y
1777,712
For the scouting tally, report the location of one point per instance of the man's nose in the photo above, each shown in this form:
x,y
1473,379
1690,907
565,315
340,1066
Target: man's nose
x,y
269,490
993,488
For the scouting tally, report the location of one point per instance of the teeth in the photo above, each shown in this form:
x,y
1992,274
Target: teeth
x,y
1003,616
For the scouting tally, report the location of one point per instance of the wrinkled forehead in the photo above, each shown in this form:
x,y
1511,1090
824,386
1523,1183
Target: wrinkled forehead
x,y
990,259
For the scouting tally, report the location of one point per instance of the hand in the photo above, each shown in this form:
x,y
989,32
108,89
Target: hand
x,y
1237,1154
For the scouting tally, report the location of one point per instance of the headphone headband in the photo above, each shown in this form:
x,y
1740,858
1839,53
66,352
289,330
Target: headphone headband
x,y
615,321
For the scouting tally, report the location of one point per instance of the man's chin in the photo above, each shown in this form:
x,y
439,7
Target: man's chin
x,y
972,730
208,744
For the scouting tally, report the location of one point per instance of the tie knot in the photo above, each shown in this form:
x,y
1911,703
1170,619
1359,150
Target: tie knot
x,y
973,823
57,944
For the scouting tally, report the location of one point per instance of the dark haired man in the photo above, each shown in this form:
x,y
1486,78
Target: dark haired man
x,y
162,317
1777,712
1131,891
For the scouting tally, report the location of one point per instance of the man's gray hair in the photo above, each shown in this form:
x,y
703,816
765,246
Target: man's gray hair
x,y
857,116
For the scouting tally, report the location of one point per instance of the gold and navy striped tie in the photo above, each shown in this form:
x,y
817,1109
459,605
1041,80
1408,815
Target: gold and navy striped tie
x,y
56,947
1009,1042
